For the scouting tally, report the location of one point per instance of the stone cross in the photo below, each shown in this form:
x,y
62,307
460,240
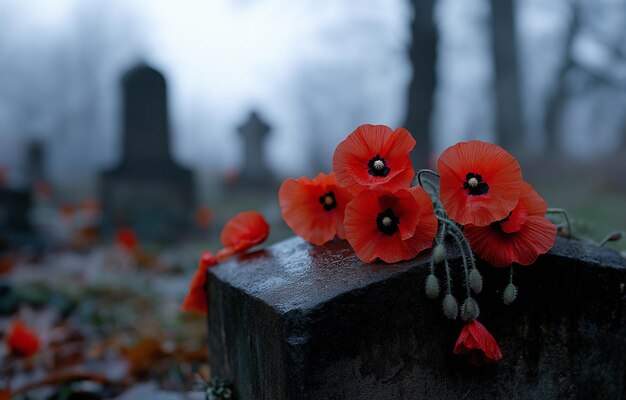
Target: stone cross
x,y
296,321
148,190
255,170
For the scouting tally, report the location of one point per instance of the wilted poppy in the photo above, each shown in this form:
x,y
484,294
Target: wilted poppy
x,y
479,182
241,232
390,226
196,299
21,340
520,237
477,345
374,157
314,208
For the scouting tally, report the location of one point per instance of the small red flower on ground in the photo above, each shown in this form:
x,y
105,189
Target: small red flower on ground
x,y
477,345
196,299
241,232
479,182
374,157
390,226
127,239
520,237
21,340
314,208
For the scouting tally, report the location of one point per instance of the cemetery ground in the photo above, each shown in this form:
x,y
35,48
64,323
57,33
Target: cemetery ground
x,y
109,320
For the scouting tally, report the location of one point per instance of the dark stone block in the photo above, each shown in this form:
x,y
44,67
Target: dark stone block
x,y
297,321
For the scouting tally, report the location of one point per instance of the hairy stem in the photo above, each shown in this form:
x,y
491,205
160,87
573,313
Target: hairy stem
x,y
425,171
562,212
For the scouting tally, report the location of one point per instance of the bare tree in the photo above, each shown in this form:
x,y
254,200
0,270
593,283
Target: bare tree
x,y
583,22
508,104
423,57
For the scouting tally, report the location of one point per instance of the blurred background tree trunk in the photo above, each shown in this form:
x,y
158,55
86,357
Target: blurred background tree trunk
x,y
555,105
508,103
423,57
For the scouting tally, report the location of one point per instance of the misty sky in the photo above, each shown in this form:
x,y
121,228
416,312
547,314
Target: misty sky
x,y
290,60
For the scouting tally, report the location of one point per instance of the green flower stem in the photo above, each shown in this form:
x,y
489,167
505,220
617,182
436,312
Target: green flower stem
x,y
448,278
425,171
459,243
460,236
563,213
445,261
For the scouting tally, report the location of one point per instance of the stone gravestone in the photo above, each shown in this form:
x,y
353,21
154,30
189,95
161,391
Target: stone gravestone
x,y
16,205
297,321
255,172
148,190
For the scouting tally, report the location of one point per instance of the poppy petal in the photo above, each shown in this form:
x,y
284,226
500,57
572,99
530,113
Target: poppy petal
x,y
477,344
352,157
244,230
196,299
501,246
499,176
415,228
426,230
302,207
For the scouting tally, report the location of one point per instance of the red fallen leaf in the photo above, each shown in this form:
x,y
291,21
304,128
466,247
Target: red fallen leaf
x,y
204,217
21,340
144,355
6,264
67,210
5,395
127,239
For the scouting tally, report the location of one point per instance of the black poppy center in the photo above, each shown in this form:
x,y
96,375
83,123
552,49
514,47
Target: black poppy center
x,y
377,166
327,200
387,222
474,183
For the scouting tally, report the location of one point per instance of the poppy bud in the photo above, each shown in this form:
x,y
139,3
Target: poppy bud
x,y
439,253
510,294
476,281
432,286
469,309
450,307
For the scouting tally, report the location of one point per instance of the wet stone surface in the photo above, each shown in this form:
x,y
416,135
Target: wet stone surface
x,y
296,321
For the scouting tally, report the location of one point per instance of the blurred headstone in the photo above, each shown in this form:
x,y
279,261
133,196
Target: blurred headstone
x,y
35,160
255,172
15,227
16,203
148,190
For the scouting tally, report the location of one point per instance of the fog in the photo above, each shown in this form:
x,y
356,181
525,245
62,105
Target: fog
x,y
313,70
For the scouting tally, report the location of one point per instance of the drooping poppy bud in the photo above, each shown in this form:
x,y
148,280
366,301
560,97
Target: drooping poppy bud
x,y
477,345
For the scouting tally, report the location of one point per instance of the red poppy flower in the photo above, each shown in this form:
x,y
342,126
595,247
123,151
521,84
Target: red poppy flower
x,y
196,299
477,345
127,239
520,237
479,182
390,226
314,208
374,157
21,340
241,232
